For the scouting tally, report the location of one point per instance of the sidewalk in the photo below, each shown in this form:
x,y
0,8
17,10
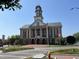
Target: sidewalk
x,y
64,57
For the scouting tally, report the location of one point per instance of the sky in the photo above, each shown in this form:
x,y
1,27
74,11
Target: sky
x,y
53,11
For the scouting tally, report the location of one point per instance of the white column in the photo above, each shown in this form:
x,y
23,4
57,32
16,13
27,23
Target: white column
x,y
40,32
35,33
21,33
47,31
35,41
53,32
29,33
47,35
55,35
56,31
60,32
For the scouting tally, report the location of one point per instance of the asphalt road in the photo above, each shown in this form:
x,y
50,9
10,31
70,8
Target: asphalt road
x,y
30,53
21,54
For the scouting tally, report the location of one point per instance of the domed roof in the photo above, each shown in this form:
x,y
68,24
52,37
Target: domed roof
x,y
38,7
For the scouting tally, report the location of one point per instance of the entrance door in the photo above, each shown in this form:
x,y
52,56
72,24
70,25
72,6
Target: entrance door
x,y
44,41
33,41
38,41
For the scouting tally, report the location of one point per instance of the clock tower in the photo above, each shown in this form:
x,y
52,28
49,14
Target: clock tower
x,y
38,11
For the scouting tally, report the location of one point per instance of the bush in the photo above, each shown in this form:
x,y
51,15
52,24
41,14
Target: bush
x,y
66,51
63,42
15,48
76,35
71,39
15,40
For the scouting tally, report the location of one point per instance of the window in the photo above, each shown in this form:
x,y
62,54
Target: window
x,y
50,32
38,32
24,34
44,32
32,33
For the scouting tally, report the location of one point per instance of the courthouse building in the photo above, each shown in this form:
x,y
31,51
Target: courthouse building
x,y
41,33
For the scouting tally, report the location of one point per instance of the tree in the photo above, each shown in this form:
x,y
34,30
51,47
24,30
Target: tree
x,y
14,39
76,35
1,43
9,4
63,41
71,39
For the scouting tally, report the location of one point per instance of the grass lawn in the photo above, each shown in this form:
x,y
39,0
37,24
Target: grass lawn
x,y
0,48
15,48
66,51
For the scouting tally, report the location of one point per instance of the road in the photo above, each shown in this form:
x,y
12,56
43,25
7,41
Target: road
x,y
31,52
21,54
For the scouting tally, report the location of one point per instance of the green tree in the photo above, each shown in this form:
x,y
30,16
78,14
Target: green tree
x,y
14,39
76,35
10,4
1,43
63,41
70,39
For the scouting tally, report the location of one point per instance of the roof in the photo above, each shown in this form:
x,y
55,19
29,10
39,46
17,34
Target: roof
x,y
54,24
37,23
25,26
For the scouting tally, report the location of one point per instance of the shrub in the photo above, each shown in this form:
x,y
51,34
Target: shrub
x,y
71,39
15,48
